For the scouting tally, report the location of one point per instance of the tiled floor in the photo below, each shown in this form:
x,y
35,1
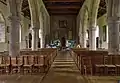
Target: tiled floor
x,y
63,70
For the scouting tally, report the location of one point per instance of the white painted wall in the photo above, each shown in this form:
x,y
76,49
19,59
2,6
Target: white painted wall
x,y
101,22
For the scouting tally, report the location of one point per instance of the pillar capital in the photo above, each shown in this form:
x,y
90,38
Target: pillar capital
x,y
92,28
35,28
14,18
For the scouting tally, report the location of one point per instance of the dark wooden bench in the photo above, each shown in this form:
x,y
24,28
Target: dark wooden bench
x,y
28,61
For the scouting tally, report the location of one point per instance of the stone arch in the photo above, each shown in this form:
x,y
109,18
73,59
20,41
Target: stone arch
x,y
34,12
42,34
24,28
35,22
2,28
41,18
83,24
93,10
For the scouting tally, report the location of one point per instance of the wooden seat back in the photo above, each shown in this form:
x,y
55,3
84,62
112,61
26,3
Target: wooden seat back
x,y
13,60
39,59
86,60
115,59
27,59
17,60
7,60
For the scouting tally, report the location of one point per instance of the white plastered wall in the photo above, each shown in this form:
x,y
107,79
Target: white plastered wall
x,y
101,22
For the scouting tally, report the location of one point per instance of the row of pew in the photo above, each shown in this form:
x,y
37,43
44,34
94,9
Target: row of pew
x,y
96,62
29,62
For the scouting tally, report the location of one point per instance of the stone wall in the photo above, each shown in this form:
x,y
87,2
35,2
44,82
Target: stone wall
x,y
69,32
102,21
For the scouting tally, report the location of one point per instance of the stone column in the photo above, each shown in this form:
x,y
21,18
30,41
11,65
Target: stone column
x,y
100,37
35,36
42,41
14,47
15,11
92,23
92,38
84,32
113,26
113,31
84,27
84,39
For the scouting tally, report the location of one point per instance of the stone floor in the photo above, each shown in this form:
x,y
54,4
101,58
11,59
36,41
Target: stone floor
x,y
21,78
63,70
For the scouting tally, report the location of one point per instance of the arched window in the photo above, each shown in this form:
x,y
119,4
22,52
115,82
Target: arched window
x,y
2,28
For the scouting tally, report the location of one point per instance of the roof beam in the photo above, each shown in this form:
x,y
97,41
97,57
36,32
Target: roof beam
x,y
63,0
64,12
25,8
63,7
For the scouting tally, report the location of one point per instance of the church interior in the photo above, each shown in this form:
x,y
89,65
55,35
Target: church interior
x,y
59,41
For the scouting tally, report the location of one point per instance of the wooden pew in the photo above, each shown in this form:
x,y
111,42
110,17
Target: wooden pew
x,y
5,64
16,64
25,63
102,63
96,58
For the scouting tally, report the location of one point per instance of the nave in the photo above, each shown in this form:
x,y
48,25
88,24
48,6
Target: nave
x,y
63,70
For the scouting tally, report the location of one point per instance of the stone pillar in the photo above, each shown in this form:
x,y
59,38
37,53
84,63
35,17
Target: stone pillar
x,y
15,16
113,26
35,36
113,31
100,37
42,41
92,23
84,27
84,37
14,48
92,38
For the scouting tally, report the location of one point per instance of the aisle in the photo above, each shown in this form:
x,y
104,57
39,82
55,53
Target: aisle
x,y
63,70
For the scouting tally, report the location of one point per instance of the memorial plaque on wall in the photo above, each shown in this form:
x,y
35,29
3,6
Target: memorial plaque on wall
x,y
2,32
62,23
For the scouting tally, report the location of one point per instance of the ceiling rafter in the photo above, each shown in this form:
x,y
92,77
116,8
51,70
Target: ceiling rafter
x,y
47,1
63,7
25,8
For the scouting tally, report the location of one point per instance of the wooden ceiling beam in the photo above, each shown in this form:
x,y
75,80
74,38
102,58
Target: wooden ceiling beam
x,y
63,7
25,8
63,1
64,12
